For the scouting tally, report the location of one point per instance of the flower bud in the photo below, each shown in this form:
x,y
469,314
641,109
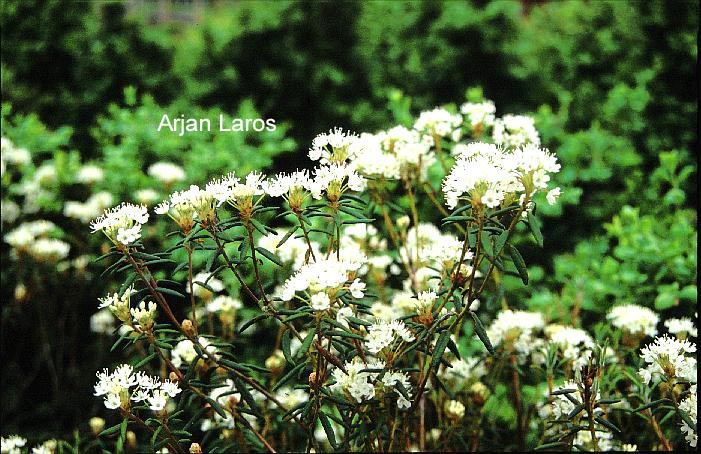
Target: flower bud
x,y
188,327
131,440
96,424
173,377
454,410
276,362
195,448
20,293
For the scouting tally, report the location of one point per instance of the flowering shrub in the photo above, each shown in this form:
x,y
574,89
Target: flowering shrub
x,y
331,309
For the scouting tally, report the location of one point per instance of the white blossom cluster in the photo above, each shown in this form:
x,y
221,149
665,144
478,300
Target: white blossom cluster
x,y
33,239
479,114
493,176
383,334
667,357
141,317
681,327
634,319
184,352
575,344
514,131
12,444
396,153
439,122
362,381
90,209
166,172
12,155
90,174
123,386
122,224
689,406
323,276
518,330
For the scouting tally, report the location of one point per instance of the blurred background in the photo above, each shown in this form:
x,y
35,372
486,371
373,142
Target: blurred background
x,y
612,86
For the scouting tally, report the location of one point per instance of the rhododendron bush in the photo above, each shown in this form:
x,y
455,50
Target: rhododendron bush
x,y
359,306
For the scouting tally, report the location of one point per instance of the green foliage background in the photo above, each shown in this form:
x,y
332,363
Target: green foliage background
x,y
612,85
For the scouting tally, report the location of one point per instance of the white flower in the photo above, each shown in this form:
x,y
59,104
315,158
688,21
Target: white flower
x,y
144,315
123,221
89,174
203,278
681,327
481,113
12,444
634,319
326,274
166,172
334,147
454,409
224,303
320,301
383,333
437,122
102,322
357,289
667,356
146,196
518,329
689,406
184,353
553,195
514,131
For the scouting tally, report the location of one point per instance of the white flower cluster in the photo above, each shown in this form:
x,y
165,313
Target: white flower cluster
x,y
689,406
489,175
396,153
204,278
383,334
634,319
123,386
326,275
166,172
517,330
464,371
10,154
480,114
455,410
362,381
122,224
184,353
439,122
514,131
576,345
667,357
432,249
141,317
12,444
90,209
681,327
32,238
90,174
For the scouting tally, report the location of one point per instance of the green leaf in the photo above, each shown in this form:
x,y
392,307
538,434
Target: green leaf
x,y
481,333
306,343
499,242
247,397
327,428
269,255
145,360
286,341
519,263
534,225
287,236
288,376
170,292
608,424
441,344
